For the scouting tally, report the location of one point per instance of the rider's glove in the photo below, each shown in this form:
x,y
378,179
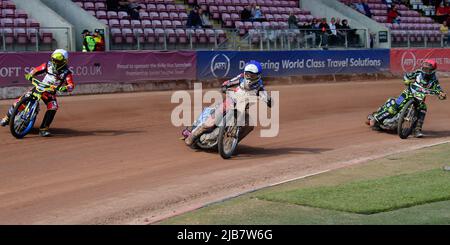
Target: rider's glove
x,y
63,89
269,102
225,86
28,76
408,82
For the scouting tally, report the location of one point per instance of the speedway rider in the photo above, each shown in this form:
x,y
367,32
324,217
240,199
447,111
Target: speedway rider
x,y
423,80
56,73
249,83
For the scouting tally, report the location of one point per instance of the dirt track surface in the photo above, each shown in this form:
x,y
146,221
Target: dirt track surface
x,y
116,159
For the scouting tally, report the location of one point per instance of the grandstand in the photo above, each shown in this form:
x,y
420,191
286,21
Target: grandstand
x,y
18,31
162,26
413,30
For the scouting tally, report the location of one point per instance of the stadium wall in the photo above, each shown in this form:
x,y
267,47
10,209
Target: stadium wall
x,y
109,72
50,19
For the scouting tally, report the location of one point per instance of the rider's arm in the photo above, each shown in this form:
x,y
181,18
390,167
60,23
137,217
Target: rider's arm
x,y
70,85
39,70
233,81
409,78
264,96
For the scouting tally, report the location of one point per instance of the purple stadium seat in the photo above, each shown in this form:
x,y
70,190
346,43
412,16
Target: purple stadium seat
x,y
144,15
32,23
7,22
100,6
122,15
151,7
167,24
146,24
164,16
89,6
125,24
177,24
182,37
47,37
20,23
20,35
139,35
160,35
101,15
112,15
174,16
171,36
128,35
114,23
135,24
21,14
149,35
183,16
157,24
154,16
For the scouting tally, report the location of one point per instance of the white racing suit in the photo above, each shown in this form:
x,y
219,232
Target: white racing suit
x,y
241,92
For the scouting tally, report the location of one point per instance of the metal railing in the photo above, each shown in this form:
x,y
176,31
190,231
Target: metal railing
x,y
418,40
13,39
239,39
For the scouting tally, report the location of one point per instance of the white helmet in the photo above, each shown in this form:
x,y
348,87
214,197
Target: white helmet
x,y
252,72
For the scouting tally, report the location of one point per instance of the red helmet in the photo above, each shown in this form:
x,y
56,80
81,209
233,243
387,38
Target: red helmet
x,y
429,66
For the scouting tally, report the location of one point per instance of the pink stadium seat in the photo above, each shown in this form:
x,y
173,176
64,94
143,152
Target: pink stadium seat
x,y
146,24
20,23
149,35
125,24
100,6
101,14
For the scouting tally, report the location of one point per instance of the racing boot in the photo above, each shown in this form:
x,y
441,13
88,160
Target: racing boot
x,y
197,132
43,132
418,129
48,119
4,122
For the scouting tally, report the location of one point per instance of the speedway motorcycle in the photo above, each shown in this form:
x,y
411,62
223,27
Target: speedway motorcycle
x,y
405,120
26,110
226,136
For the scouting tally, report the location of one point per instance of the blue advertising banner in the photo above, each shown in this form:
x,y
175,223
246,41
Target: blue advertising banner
x,y
226,64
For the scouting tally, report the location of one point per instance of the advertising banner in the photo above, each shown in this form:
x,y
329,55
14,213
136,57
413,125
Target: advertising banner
x,y
407,60
103,67
226,64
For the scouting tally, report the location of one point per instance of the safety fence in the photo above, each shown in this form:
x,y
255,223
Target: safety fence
x,y
135,66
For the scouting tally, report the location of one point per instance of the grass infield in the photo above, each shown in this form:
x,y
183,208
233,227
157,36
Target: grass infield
x,y
372,196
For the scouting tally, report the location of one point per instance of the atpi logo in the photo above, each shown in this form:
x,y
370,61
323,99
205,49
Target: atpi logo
x,y
220,65
409,61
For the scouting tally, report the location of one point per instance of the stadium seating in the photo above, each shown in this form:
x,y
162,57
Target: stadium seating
x,y
161,22
413,27
19,31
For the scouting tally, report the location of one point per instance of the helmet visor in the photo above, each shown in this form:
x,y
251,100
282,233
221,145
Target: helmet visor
x,y
251,76
427,68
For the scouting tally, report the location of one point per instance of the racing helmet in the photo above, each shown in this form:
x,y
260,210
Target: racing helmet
x,y
59,58
429,67
252,72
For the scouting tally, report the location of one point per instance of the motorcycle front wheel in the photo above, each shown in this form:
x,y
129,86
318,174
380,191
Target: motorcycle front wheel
x,y
407,120
23,117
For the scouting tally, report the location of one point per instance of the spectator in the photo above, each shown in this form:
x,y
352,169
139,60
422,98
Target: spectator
x,y
89,44
324,32
194,20
246,14
442,13
444,32
363,7
132,7
393,15
99,40
292,21
352,37
333,38
204,19
112,5
252,9
258,15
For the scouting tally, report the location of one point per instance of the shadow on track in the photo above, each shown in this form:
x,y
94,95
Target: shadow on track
x,y
67,133
436,134
245,151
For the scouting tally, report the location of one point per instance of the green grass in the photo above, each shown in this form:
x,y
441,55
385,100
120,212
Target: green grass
x,y
372,196
249,209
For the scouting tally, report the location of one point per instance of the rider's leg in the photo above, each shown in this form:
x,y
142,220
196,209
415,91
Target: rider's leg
x,y
52,107
5,119
420,120
209,123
